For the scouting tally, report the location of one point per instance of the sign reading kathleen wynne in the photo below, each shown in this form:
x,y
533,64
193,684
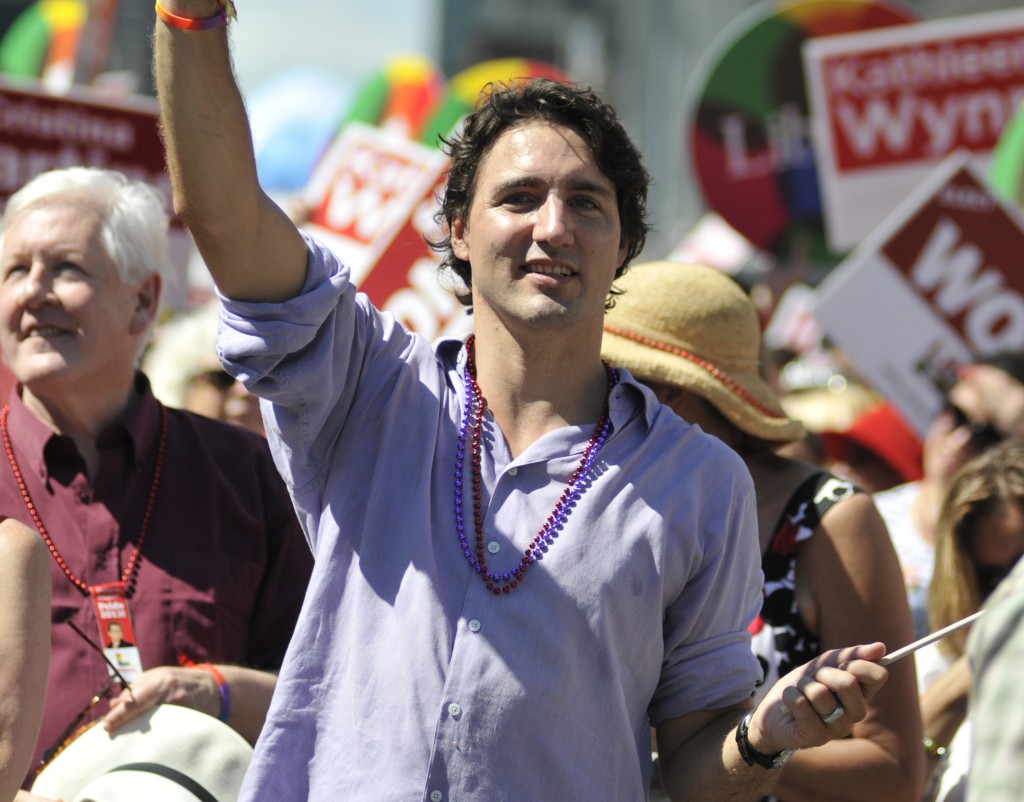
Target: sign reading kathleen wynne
x,y
889,104
939,283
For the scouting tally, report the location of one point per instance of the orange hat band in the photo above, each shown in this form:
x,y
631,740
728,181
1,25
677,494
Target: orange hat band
x,y
721,377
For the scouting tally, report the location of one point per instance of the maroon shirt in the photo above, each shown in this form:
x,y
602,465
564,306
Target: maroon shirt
x,y
224,565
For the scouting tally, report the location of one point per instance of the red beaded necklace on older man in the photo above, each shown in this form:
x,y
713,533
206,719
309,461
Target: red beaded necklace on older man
x,y
133,561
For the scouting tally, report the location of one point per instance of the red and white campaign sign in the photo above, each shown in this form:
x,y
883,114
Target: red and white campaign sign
x,y
41,131
940,283
372,198
889,104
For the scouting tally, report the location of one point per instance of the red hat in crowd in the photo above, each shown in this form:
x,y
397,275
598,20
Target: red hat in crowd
x,y
882,430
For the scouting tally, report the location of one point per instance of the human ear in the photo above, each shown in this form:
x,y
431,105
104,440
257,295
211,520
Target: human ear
x,y
147,303
623,250
460,247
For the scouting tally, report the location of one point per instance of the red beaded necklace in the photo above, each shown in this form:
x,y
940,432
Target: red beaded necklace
x,y
129,570
472,419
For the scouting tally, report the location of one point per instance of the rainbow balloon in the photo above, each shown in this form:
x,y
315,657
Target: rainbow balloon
x,y
410,95
400,96
464,89
43,37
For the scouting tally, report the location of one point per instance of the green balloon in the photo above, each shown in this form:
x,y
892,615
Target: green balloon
x,y
24,46
1006,166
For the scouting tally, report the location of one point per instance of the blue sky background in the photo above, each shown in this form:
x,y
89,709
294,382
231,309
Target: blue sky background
x,y
344,38
298,65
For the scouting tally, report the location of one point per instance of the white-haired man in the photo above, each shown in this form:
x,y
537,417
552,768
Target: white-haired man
x,y
173,524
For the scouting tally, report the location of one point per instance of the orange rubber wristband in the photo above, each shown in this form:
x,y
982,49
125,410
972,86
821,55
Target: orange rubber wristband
x,y
192,23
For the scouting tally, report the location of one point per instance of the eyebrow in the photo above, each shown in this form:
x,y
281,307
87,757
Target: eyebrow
x,y
574,184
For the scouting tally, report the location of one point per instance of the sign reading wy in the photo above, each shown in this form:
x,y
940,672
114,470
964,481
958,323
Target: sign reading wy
x,y
372,200
936,286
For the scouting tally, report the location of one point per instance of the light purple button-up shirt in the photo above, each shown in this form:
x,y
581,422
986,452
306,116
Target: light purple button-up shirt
x,y
406,678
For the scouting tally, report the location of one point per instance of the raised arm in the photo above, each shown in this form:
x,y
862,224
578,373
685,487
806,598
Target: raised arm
x,y
252,249
24,646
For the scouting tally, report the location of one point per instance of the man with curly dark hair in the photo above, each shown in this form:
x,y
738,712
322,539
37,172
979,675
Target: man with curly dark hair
x,y
575,108
523,560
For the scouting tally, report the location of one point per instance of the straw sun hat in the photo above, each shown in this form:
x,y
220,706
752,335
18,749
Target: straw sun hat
x,y
694,327
169,754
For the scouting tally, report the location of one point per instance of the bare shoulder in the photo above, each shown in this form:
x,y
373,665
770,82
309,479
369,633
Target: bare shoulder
x,y
854,523
851,570
851,540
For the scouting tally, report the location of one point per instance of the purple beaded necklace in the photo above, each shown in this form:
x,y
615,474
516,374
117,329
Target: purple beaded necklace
x,y
476,405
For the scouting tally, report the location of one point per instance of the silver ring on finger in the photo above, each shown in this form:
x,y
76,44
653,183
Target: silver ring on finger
x,y
834,716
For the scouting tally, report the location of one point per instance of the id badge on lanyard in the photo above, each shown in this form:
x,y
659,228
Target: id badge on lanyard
x,y
115,624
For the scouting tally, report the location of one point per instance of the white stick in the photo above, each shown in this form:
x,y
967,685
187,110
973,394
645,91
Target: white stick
x,y
937,635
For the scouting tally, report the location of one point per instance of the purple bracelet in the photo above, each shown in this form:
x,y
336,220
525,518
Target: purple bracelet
x,y
222,686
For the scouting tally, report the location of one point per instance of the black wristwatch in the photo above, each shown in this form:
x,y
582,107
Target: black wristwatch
x,y
751,756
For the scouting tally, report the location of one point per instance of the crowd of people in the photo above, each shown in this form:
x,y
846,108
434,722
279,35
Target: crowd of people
x,y
573,555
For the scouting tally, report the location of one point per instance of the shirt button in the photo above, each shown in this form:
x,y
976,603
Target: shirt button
x,y
474,625
493,547
436,796
454,709
513,471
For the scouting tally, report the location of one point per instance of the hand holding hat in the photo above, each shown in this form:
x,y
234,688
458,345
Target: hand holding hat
x,y
187,687
170,753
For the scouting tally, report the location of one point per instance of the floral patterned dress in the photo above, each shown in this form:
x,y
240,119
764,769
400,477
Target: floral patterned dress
x,y
781,640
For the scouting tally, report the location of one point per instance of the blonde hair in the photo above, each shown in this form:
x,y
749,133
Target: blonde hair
x,y
978,489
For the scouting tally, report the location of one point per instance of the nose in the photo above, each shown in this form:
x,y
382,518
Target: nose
x,y
35,287
552,223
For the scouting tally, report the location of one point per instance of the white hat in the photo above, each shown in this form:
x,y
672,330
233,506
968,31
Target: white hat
x,y
169,754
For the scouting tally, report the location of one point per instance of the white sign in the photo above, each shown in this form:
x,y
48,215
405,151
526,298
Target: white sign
x,y
887,105
940,283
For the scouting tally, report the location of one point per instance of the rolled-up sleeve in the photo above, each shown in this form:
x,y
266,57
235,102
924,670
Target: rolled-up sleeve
x,y
708,661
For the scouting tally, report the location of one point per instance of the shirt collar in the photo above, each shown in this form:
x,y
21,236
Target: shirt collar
x,y
631,399
31,437
141,420
628,399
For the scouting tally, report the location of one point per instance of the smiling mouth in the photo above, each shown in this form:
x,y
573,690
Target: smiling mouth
x,y
43,331
550,270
